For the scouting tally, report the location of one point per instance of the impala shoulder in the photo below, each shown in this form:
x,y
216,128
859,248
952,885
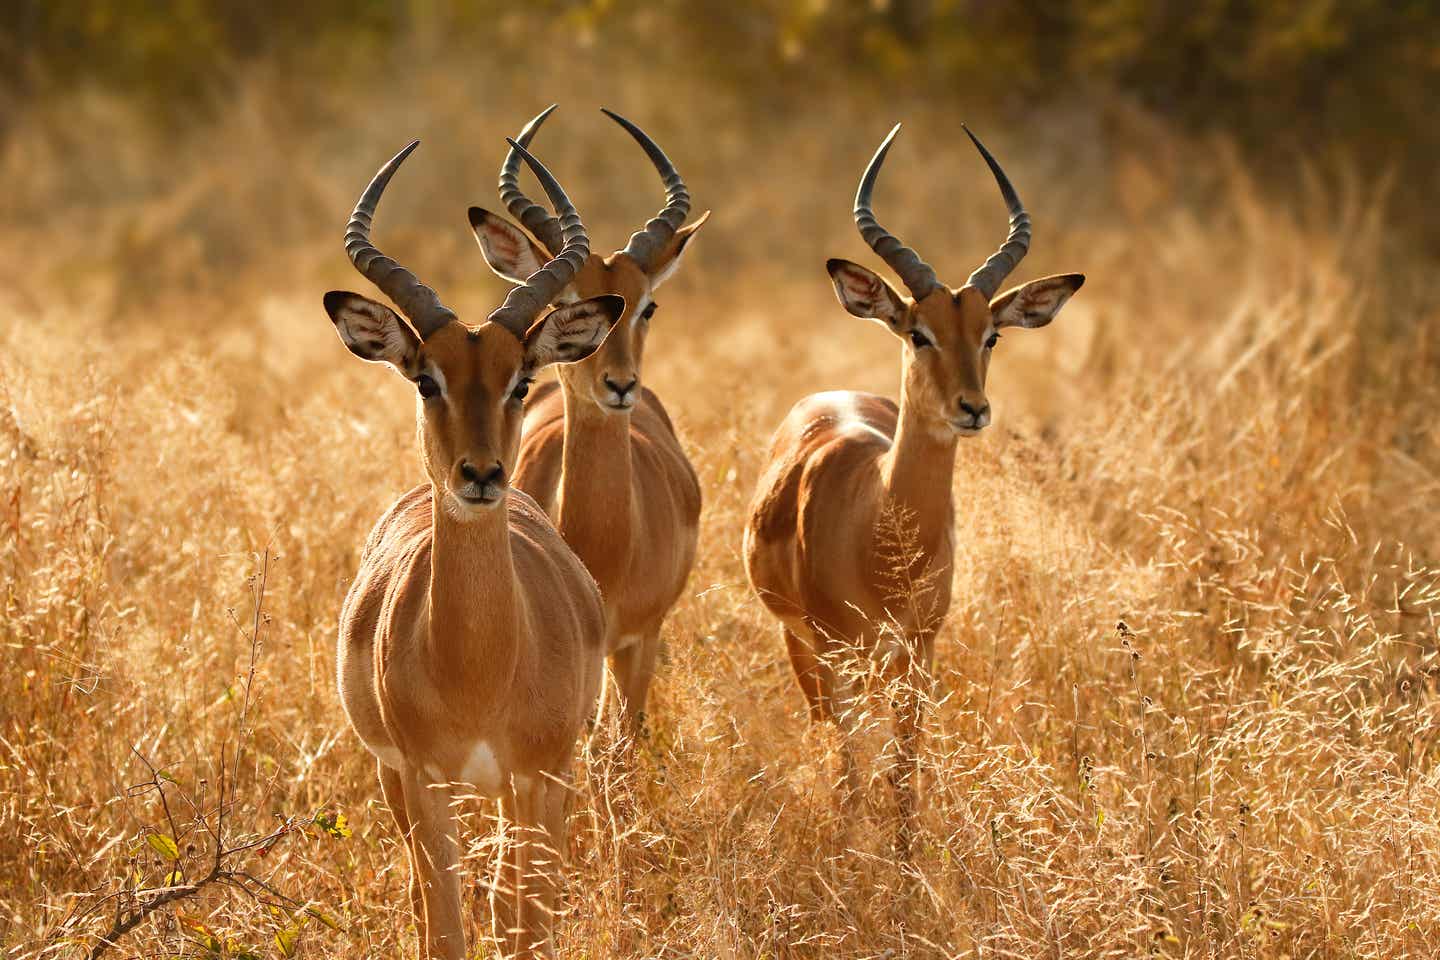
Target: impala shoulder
x,y
402,519
526,517
650,403
835,414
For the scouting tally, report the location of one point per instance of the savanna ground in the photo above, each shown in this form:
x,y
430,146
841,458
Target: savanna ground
x,y
1186,697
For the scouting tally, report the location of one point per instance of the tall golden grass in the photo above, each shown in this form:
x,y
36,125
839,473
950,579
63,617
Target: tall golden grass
x,y
1186,695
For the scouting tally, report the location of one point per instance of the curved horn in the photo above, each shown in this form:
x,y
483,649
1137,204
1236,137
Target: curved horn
x,y
415,300
914,272
531,215
524,303
994,271
643,245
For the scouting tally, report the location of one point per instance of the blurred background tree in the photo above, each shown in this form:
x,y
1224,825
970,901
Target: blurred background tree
x,y
1289,83
1363,71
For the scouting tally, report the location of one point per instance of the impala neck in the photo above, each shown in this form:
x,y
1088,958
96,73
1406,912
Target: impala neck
x,y
917,470
594,501
474,610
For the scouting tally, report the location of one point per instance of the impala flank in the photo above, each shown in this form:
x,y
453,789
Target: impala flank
x,y
471,643
846,470
599,452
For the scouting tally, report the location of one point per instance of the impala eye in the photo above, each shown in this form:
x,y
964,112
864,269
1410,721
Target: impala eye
x,y
427,386
920,340
993,339
650,310
521,389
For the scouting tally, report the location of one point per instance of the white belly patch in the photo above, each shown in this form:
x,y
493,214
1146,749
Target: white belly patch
x,y
386,754
482,768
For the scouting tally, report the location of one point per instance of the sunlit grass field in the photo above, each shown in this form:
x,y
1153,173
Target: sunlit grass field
x,y
1185,699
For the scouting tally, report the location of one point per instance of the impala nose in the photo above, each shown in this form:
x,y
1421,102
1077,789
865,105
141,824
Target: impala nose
x,y
480,484
622,394
972,416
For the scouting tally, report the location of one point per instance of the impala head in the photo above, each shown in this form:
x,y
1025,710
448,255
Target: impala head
x,y
950,332
470,381
610,376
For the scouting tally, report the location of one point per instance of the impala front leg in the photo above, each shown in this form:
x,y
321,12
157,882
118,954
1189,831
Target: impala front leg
x,y
843,685
634,669
436,861
393,788
909,703
525,898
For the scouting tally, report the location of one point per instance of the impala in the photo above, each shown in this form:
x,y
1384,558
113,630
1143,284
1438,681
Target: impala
x,y
599,452
471,643
846,468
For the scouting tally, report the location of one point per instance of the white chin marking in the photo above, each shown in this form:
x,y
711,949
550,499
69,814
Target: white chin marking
x,y
465,511
454,509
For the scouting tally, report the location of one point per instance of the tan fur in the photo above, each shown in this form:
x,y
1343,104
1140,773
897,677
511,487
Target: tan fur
x,y
820,548
471,649
617,482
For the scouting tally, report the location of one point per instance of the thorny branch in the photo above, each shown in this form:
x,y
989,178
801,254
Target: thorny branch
x,y
132,907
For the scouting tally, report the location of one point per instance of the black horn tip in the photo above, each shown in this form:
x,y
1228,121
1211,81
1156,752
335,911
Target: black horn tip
x,y
872,171
526,155
528,133
529,158
629,126
989,157
889,139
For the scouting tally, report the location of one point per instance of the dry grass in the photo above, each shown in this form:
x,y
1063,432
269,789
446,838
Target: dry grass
x,y
1225,444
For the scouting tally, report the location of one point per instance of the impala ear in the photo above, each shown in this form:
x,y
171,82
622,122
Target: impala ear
x,y
866,294
572,332
1034,304
372,331
668,258
508,249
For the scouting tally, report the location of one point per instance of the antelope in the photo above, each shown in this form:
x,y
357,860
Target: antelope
x,y
599,452
844,468
471,642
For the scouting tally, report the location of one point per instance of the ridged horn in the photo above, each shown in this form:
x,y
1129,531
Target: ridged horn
x,y
415,300
644,245
914,272
532,216
993,272
524,303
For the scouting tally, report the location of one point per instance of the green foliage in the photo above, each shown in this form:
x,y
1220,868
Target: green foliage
x,y
1286,78
163,845
334,823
